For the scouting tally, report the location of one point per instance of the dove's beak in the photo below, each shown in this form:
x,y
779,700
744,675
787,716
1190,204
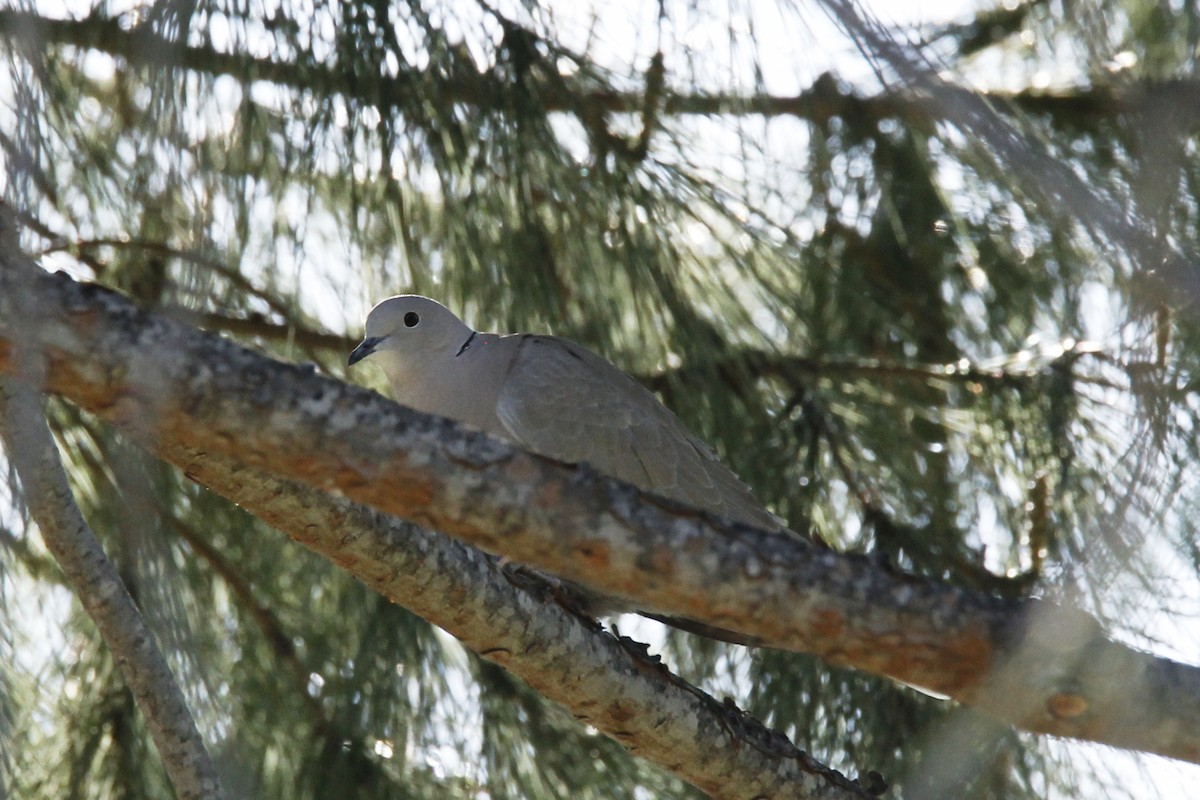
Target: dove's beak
x,y
365,349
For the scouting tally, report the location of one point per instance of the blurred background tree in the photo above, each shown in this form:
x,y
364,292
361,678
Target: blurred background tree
x,y
879,317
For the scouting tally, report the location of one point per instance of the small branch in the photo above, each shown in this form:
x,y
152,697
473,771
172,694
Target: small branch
x,y
259,327
1038,666
986,27
252,325
1019,370
31,450
82,247
39,567
270,627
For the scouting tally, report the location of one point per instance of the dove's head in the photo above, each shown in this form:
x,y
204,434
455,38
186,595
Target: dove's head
x,y
409,331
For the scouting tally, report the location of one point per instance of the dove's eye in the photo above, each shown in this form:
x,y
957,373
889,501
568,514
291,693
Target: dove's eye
x,y
411,319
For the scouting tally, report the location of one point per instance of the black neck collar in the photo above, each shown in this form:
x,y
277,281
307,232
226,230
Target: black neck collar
x,y
466,344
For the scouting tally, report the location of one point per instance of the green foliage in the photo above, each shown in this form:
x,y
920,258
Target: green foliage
x,y
900,345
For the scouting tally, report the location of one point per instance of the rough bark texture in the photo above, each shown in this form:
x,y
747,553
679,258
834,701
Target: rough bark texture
x,y
31,450
1035,665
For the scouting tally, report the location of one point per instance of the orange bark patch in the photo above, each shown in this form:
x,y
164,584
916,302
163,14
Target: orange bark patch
x,y
663,560
1067,705
828,623
595,553
972,660
412,496
620,713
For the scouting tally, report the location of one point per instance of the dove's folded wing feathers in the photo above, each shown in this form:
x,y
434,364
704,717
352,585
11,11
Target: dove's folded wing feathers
x,y
563,401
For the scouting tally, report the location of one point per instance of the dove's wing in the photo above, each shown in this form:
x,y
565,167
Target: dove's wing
x,y
563,401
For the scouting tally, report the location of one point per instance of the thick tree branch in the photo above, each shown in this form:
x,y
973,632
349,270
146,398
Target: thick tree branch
x,y
95,581
1035,665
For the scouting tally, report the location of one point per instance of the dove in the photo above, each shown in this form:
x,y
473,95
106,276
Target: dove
x,y
555,398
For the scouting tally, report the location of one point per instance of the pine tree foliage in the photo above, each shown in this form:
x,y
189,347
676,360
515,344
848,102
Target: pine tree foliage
x,y
888,330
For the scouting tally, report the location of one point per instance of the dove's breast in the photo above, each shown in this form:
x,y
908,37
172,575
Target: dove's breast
x,y
462,385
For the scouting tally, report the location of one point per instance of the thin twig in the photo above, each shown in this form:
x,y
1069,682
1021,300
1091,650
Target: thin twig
x,y
258,326
81,247
272,630
38,566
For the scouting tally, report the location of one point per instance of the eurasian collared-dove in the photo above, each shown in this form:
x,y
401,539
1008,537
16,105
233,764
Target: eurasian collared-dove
x,y
551,396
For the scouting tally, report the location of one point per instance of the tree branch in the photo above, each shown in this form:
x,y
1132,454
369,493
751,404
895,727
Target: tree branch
x,y
611,683
1038,666
31,450
258,326
141,47
80,249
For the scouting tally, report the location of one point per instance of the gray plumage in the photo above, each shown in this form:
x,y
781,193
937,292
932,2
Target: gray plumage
x,y
554,397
